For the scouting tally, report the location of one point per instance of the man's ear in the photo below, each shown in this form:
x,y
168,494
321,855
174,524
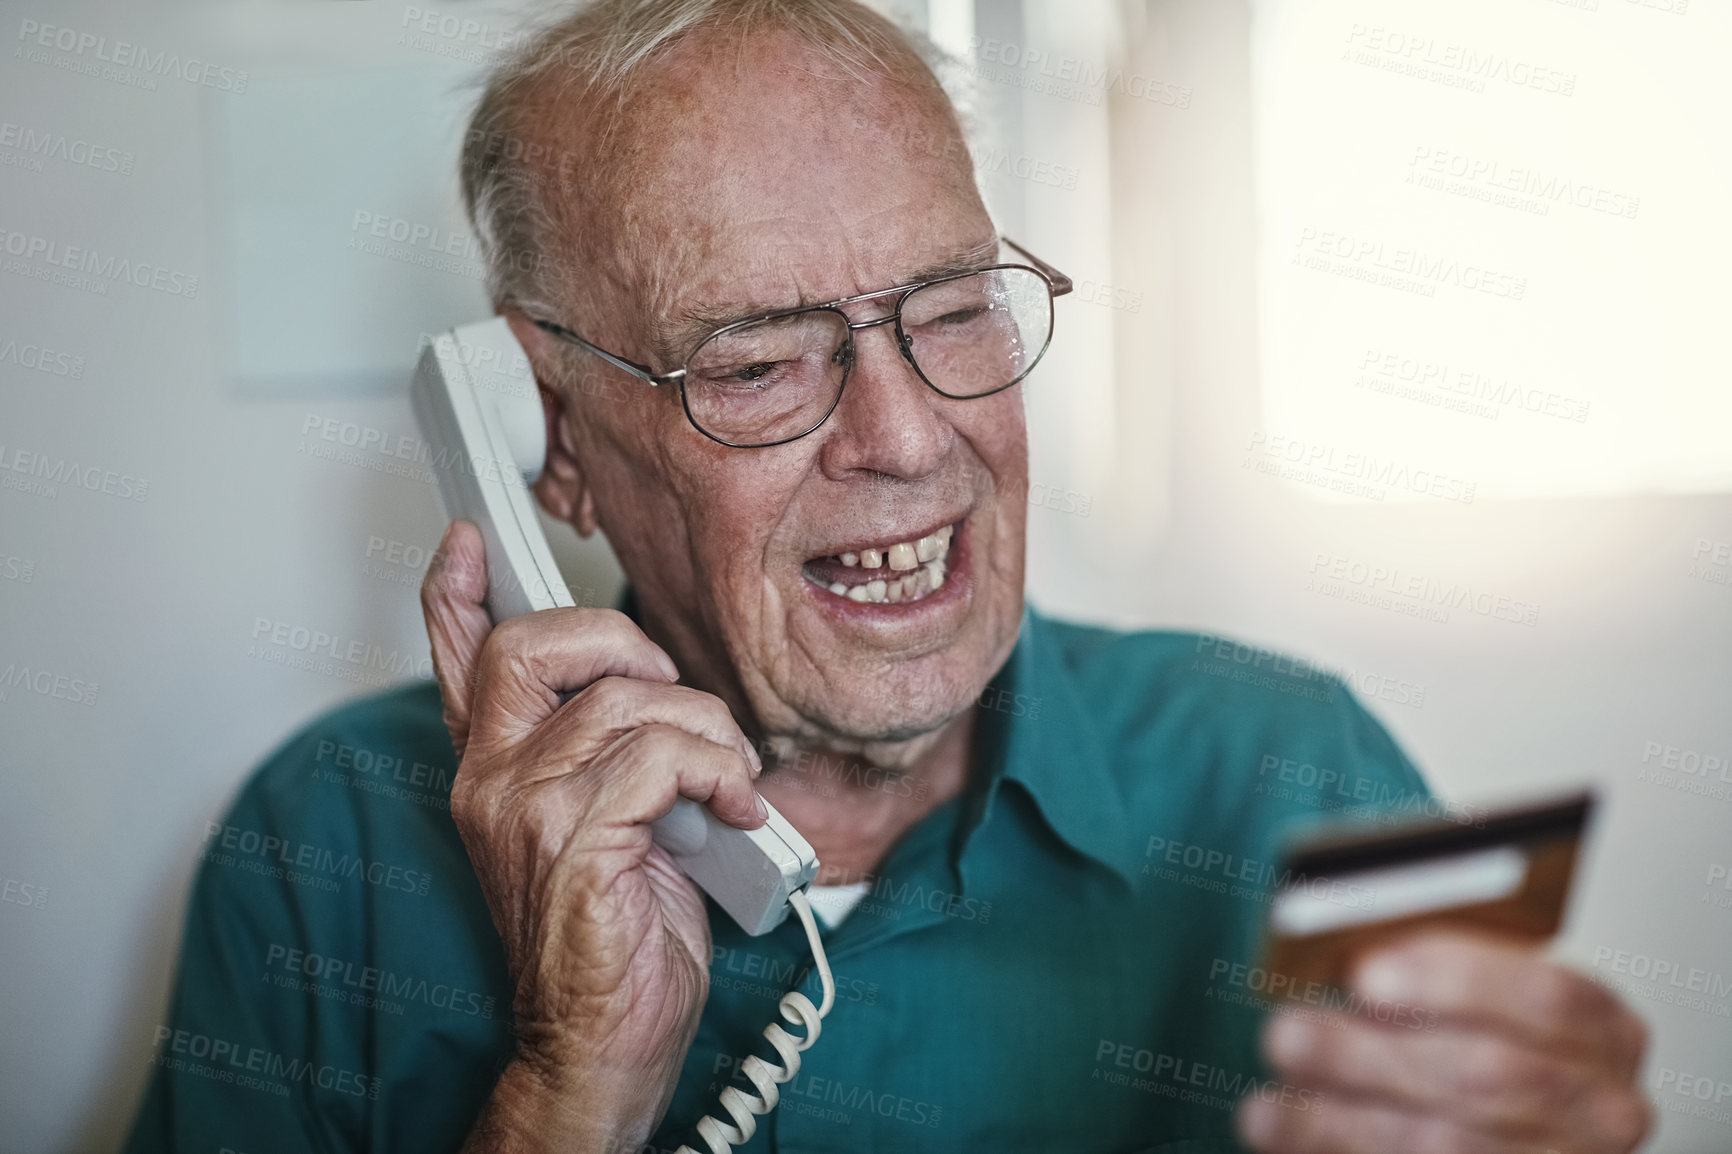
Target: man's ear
x,y
562,488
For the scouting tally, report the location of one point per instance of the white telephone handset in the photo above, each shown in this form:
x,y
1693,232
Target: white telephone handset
x,y
476,401
475,398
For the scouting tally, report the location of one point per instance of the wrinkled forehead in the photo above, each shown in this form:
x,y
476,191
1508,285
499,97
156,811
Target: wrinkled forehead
x,y
749,178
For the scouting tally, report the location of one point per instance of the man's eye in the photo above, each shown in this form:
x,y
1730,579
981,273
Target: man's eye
x,y
960,316
746,374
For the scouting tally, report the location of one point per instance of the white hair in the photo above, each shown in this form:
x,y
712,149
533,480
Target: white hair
x,y
595,52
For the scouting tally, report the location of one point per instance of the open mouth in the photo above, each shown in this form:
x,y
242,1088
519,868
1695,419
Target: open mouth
x,y
897,573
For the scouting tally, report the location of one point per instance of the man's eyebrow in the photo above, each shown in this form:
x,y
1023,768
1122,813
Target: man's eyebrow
x,y
675,336
969,260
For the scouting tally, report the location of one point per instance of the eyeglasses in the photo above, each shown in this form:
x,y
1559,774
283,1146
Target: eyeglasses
x,y
771,379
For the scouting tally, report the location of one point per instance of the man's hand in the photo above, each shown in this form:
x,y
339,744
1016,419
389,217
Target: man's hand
x,y
1513,1053
606,938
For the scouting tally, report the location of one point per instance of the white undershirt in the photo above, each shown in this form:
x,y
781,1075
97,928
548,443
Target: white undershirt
x,y
833,904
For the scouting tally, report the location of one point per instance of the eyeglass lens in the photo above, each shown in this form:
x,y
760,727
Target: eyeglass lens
x,y
771,380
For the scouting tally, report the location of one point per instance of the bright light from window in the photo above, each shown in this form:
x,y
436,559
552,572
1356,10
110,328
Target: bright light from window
x,y
1495,246
950,23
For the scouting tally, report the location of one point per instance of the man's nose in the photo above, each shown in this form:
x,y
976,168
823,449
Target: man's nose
x,y
888,421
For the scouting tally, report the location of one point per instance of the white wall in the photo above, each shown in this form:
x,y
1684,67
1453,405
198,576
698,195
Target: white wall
x,y
157,600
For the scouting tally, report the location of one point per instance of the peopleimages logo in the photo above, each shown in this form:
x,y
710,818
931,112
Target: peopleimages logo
x,y
1460,389
457,37
316,643
1456,65
1188,1080
1399,266
1269,989
887,898
1071,77
1496,177
1357,473
36,145
41,359
231,1062
42,475
369,986
20,893
300,855
379,450
1414,593
46,683
1322,783
1664,980
1244,877
91,50
80,261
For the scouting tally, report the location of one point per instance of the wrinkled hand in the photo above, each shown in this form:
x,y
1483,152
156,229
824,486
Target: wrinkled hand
x,y
1501,1051
606,938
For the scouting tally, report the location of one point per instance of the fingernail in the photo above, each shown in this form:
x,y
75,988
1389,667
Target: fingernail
x,y
669,669
763,810
752,755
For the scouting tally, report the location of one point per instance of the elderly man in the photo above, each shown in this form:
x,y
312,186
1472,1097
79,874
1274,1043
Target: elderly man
x,y
1045,846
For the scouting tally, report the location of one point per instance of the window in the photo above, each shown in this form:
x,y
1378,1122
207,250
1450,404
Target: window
x,y
1494,245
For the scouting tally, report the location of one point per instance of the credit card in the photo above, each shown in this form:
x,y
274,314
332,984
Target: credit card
x,y
1344,890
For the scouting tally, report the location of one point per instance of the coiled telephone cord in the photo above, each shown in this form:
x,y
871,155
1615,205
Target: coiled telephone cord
x,y
797,1009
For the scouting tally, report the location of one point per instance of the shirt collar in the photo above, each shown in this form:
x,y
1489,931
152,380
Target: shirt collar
x,y
1054,751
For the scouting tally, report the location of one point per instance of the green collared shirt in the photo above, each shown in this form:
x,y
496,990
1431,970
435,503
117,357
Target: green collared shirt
x,y
1062,958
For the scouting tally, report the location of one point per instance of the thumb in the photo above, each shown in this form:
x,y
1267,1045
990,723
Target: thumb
x,y
457,621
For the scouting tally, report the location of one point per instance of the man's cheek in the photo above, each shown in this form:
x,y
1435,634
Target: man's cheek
x,y
997,436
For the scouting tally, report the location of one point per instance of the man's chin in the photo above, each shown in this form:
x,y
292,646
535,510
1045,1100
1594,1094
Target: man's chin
x,y
890,677
890,704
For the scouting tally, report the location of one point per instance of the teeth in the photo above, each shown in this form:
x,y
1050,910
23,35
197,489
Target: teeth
x,y
904,555
927,579
921,565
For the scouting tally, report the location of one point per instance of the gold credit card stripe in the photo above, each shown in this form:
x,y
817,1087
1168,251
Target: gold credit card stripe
x,y
1401,891
1333,853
